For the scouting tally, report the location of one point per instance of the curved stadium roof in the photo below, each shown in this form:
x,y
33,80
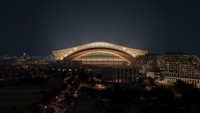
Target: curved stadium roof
x,y
64,53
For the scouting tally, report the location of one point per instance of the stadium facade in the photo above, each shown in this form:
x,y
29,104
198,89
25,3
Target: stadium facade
x,y
110,60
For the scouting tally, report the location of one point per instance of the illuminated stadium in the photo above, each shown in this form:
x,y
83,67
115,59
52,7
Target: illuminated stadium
x,y
99,53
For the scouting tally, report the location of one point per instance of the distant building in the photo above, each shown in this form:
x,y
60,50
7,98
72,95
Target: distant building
x,y
66,64
172,66
6,62
24,63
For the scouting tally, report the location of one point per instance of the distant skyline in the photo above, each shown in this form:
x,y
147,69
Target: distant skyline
x,y
37,27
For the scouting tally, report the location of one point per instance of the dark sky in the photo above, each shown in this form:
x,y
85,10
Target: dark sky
x,y
39,26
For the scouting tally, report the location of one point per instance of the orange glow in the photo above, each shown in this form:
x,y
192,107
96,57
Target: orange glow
x,y
100,86
122,55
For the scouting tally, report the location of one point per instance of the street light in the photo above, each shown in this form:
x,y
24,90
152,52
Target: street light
x,y
45,107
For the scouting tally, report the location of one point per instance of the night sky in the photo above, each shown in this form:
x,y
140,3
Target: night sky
x,y
39,26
